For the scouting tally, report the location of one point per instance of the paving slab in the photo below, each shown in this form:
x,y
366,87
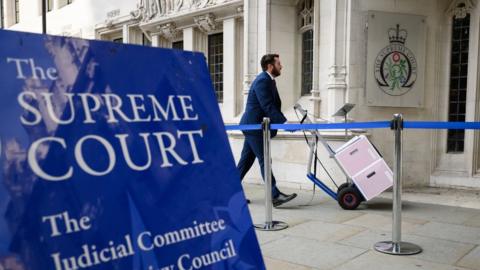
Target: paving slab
x,y
467,198
439,213
471,260
430,212
473,221
326,212
265,237
452,232
258,216
311,253
366,239
323,231
275,264
434,250
378,261
384,223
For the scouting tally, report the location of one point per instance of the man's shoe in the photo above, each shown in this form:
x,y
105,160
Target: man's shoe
x,y
283,198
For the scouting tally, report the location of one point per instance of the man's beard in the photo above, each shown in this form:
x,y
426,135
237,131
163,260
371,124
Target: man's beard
x,y
275,72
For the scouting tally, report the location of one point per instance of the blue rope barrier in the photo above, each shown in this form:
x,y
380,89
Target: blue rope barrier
x,y
362,125
244,127
358,125
441,125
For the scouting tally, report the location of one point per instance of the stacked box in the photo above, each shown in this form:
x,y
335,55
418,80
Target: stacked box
x,y
363,164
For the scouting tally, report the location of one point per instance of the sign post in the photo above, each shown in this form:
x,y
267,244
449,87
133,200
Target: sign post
x,y
115,157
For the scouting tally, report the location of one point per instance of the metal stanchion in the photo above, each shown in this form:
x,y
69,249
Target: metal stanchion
x,y
269,224
396,246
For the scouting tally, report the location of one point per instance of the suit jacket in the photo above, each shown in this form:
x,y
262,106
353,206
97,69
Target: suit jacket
x,y
263,101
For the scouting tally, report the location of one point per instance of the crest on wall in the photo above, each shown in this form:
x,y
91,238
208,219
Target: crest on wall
x,y
395,64
395,67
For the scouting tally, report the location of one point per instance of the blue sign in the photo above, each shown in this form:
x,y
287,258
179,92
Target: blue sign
x,y
115,157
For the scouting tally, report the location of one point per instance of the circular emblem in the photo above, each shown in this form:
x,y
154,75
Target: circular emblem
x,y
395,67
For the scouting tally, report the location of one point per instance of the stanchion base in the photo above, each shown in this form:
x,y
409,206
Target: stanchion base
x,y
274,226
402,248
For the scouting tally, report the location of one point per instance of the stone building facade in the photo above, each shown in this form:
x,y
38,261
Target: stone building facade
x,y
419,58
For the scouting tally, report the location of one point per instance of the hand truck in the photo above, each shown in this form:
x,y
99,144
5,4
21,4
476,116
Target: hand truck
x,y
367,173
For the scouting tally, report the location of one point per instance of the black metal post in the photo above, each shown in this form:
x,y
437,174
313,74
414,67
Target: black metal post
x,y
44,16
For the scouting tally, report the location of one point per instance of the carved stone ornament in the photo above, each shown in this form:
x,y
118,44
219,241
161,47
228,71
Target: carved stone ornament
x,y
148,9
206,23
460,8
109,23
168,31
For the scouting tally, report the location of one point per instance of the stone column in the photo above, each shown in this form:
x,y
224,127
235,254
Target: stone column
x,y
156,40
126,34
194,40
337,74
229,67
256,40
56,4
188,38
264,27
165,43
315,98
8,9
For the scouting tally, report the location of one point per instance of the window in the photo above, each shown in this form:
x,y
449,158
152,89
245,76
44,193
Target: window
x,y
178,45
307,61
2,19
305,15
458,82
118,40
17,11
215,63
146,41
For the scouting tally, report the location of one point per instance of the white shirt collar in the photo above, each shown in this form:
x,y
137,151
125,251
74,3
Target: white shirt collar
x,y
273,78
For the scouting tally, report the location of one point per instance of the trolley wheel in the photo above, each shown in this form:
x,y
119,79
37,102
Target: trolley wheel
x,y
342,186
349,198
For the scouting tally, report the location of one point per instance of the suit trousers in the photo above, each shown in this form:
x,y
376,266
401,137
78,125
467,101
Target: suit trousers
x,y
253,148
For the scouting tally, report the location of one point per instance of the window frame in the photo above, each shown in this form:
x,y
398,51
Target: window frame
x,y
178,42
305,14
117,40
307,83
458,78
216,77
146,41
16,11
2,15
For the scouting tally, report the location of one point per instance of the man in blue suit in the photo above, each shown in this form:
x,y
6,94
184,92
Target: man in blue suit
x,y
263,101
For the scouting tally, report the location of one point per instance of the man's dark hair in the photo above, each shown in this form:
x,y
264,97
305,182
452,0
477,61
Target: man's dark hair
x,y
268,59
